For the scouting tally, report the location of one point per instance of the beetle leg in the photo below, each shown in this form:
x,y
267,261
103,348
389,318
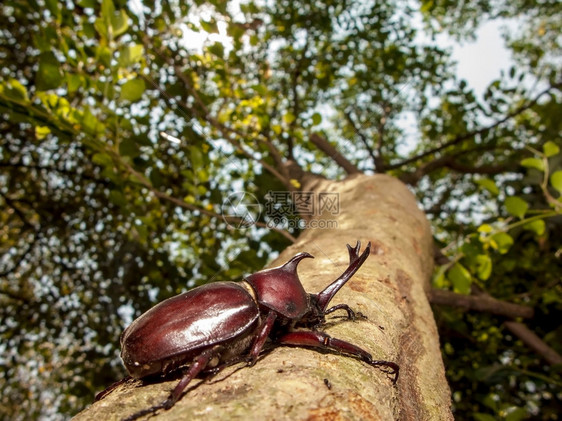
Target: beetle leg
x,y
322,340
350,312
261,337
108,390
198,365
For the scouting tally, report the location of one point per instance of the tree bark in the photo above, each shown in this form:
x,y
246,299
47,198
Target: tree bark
x,y
305,384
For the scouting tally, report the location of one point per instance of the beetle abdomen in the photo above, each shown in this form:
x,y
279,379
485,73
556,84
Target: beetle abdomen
x,y
173,332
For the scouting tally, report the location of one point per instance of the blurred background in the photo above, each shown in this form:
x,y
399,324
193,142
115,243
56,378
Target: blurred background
x,y
126,125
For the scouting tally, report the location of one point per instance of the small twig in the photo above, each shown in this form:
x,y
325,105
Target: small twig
x,y
363,139
530,339
229,219
461,138
205,115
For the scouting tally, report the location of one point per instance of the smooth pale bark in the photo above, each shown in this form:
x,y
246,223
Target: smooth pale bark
x,y
390,289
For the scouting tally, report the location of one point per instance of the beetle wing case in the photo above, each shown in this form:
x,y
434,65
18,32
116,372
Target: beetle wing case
x,y
179,328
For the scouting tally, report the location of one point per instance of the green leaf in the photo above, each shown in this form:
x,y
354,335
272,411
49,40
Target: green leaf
x,y
142,231
202,176
439,279
102,159
132,90
128,147
53,6
209,26
48,75
103,54
101,27
485,228
460,278
15,91
491,402
107,8
116,197
471,247
130,55
488,184
197,161
119,23
289,117
41,132
217,49
483,266
556,180
502,242
155,177
90,123
142,139
515,414
538,226
516,206
512,72
550,149
533,163
111,24
73,82
316,119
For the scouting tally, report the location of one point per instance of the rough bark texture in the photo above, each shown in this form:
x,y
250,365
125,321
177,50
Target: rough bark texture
x,y
390,289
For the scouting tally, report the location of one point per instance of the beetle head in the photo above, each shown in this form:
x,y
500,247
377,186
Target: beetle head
x,y
318,303
280,288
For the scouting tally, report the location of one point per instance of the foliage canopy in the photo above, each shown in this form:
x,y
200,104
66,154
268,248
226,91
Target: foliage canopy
x,y
126,124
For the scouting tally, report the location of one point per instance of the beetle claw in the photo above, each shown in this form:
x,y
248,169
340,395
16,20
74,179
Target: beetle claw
x,y
394,369
360,315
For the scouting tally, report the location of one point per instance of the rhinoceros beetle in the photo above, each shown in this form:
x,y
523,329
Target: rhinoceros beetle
x,y
228,322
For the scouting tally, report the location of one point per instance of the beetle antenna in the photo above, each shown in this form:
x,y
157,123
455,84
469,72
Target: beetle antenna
x,y
355,261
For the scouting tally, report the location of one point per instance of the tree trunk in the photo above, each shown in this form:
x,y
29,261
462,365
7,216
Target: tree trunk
x,y
305,384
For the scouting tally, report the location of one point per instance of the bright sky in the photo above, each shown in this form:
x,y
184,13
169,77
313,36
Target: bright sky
x,y
480,62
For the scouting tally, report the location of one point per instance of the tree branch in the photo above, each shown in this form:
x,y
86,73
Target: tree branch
x,y
205,115
363,139
14,296
322,144
53,169
451,162
530,339
461,138
482,302
229,219
289,382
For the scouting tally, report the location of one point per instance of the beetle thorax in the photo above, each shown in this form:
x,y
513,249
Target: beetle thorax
x,y
279,289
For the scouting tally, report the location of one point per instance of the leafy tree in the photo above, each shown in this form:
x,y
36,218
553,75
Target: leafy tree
x,y
122,136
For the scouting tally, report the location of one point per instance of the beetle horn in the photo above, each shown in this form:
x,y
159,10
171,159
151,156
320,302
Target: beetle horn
x,y
355,261
291,265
